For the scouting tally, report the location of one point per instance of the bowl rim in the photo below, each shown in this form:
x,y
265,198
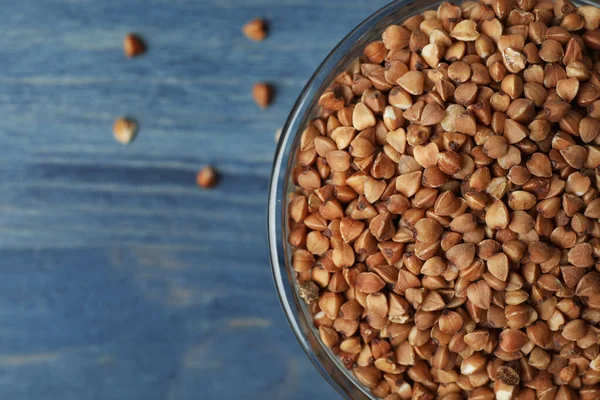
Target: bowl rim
x,y
297,118
278,185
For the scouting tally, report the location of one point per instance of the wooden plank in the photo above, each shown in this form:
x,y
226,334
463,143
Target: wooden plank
x,y
122,280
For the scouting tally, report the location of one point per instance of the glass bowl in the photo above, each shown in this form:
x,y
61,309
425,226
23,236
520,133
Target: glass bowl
x,y
305,109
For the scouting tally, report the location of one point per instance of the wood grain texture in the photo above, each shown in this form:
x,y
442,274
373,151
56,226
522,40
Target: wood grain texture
x,y
121,279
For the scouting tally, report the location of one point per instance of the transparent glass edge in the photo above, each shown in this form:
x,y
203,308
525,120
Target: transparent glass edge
x,y
301,113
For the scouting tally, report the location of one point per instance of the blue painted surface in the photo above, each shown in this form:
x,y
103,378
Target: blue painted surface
x,y
121,279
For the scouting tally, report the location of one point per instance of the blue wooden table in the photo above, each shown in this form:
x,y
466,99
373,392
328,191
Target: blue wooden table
x,y
120,278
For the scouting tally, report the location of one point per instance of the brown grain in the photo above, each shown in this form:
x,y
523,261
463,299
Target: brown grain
x,y
446,218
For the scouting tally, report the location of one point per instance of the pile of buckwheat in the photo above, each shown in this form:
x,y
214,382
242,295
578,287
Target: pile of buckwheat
x,y
445,228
